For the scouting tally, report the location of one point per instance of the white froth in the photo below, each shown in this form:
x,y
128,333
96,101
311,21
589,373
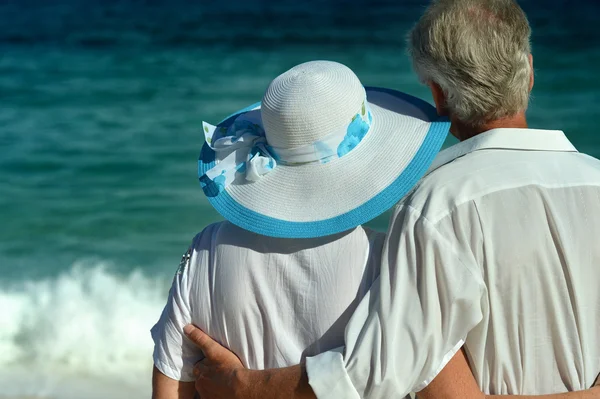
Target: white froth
x,y
87,326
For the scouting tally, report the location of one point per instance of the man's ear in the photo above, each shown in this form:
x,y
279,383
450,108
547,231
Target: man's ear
x,y
531,66
439,98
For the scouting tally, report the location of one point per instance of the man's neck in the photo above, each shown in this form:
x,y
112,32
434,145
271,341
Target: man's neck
x,y
464,132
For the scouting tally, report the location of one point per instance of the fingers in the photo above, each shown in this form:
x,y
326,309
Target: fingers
x,y
204,384
209,347
214,353
200,368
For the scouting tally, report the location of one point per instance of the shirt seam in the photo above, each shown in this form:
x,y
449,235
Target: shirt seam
x,y
446,358
481,231
483,194
434,227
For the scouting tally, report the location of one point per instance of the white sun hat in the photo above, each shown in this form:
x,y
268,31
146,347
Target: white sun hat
x,y
319,155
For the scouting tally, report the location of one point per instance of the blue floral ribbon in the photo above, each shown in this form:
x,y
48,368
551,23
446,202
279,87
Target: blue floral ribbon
x,y
242,149
334,145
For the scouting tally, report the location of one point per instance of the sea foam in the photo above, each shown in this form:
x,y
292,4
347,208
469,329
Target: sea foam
x,y
86,326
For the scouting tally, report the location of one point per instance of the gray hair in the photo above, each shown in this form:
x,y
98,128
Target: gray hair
x,y
477,51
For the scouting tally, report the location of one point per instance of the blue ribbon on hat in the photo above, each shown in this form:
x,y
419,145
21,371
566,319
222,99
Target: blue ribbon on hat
x,y
242,149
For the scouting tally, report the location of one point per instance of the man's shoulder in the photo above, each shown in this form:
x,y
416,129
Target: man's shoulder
x,y
482,173
441,189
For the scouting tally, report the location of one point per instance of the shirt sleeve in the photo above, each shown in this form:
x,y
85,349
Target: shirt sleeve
x,y
174,354
414,318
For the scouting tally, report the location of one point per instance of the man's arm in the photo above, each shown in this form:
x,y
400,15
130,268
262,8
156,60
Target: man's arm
x,y
221,375
164,387
456,381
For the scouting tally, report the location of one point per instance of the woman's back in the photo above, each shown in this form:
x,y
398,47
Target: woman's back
x,y
272,301
318,156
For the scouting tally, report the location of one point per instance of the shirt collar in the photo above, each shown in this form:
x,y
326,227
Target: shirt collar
x,y
506,139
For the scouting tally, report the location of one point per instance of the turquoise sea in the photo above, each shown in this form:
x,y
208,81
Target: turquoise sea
x,y
101,104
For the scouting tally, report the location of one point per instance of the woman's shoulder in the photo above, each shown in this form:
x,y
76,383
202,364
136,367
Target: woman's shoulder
x,y
231,238
227,236
204,239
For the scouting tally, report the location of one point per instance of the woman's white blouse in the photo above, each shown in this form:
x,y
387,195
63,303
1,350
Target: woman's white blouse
x,y
272,301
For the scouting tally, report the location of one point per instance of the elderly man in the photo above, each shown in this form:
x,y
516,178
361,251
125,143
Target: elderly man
x,y
495,250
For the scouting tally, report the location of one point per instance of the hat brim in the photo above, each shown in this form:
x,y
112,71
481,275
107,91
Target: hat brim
x,y
314,200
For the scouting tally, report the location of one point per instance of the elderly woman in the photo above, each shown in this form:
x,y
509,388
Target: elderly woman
x,y
294,176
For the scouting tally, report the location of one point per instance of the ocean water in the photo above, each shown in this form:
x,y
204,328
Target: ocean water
x,y
101,104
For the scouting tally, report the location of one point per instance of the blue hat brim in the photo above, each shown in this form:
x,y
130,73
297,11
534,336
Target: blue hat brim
x,y
250,220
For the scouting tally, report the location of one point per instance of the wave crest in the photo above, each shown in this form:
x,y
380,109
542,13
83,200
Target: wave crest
x,y
85,321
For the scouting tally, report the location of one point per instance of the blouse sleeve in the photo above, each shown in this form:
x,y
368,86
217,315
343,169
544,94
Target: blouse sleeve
x,y
174,354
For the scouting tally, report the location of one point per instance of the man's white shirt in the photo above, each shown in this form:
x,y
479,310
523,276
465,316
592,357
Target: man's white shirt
x,y
498,249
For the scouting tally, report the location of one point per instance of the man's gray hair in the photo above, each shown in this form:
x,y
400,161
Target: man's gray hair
x,y
477,51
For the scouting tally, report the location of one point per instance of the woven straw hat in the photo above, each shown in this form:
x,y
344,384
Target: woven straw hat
x,y
320,154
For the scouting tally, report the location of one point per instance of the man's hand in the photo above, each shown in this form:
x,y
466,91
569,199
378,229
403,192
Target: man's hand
x,y
221,375
217,375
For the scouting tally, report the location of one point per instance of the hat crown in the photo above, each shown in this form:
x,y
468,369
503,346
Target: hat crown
x,y
309,102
